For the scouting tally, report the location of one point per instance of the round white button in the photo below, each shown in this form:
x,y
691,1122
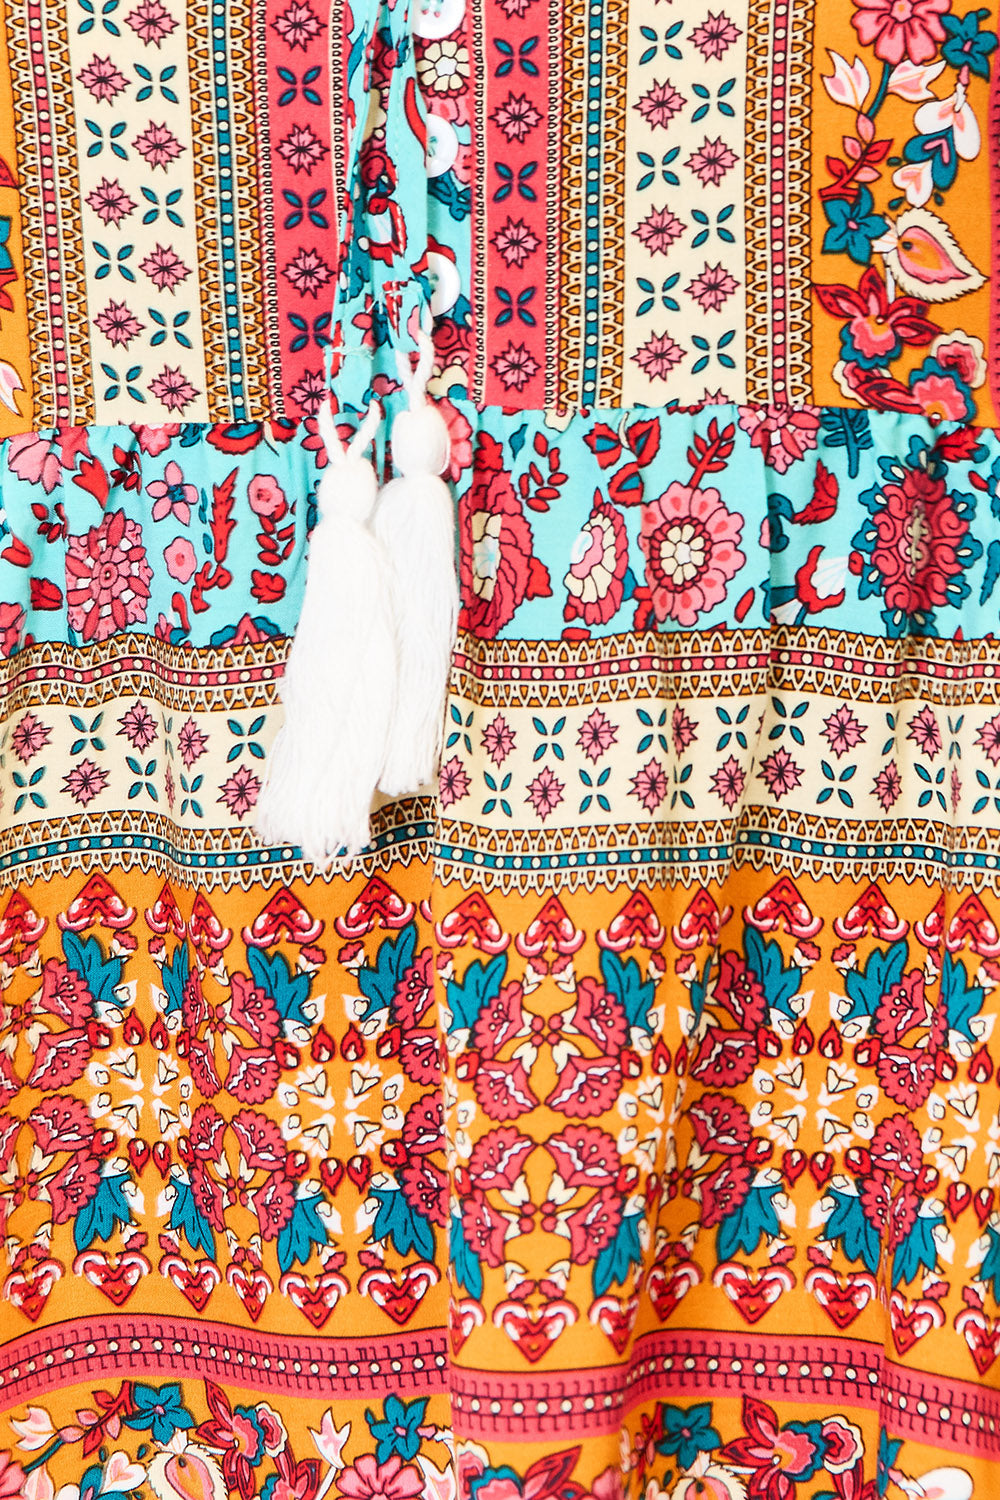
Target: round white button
x,y
442,146
433,19
446,284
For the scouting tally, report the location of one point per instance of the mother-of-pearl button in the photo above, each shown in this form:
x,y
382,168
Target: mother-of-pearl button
x,y
446,284
433,19
442,145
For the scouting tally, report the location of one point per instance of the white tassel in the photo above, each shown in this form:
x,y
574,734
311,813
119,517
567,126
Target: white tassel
x,y
339,687
415,522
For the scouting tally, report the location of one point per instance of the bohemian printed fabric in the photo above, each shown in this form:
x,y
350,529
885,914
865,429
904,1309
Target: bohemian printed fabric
x,y
625,1122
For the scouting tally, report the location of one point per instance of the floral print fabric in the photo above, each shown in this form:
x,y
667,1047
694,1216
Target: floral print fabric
x,y
623,1122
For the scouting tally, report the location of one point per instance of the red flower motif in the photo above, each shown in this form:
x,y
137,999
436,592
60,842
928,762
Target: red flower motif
x,y
238,1436
11,625
777,1457
483,1229
592,1226
918,534
723,1190
875,325
497,568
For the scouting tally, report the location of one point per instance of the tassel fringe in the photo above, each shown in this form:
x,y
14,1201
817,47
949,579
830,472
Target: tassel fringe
x,y
415,524
339,687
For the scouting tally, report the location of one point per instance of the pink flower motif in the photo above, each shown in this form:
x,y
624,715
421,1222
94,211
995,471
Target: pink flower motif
x,y
924,732
13,1480
118,323
107,577
366,1479
659,104
514,367
35,459
11,625
596,736
191,742
517,117
900,28
843,731
658,355
459,438
649,785
310,392
988,739
102,79
157,145
307,272
85,782
266,496
28,737
595,583
240,792
155,439
784,434
712,287
498,740
110,202
715,36
545,793
942,398
454,783
691,542
516,242
164,268
728,782
297,25
682,730
180,559
887,785
172,496
658,230
151,22
138,726
173,389
516,8
302,149
780,773
711,161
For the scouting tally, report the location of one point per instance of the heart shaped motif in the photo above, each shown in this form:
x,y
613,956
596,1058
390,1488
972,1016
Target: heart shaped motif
x,y
534,1332
197,1281
911,1321
982,1334
752,1295
667,1288
842,1301
399,1295
252,1288
29,1290
958,1197
116,1276
463,1317
615,1316
314,1296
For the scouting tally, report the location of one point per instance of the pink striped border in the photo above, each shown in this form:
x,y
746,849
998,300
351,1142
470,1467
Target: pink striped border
x,y
957,1415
